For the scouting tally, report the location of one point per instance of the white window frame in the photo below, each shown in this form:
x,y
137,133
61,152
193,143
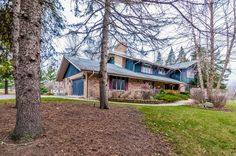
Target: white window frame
x,y
146,68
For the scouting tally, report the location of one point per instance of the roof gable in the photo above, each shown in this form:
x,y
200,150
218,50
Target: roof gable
x,y
70,71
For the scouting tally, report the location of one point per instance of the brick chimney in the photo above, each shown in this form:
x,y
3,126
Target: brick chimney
x,y
120,51
121,48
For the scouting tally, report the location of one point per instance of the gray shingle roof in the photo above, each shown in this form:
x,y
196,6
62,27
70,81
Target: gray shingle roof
x,y
183,65
112,69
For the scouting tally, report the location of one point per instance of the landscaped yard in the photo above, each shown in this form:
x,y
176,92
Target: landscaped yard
x,y
72,128
194,131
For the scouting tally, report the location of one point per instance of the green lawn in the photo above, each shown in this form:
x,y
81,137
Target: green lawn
x,y
194,131
52,99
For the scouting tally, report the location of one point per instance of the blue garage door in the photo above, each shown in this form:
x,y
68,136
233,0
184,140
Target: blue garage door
x,y
78,87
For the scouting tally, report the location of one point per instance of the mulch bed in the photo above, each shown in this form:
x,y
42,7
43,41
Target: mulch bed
x,y
74,129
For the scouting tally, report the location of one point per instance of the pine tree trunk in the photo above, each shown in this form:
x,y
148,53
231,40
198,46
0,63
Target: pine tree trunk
x,y
103,64
6,86
28,120
15,36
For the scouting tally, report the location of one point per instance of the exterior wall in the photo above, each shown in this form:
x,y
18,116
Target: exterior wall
x,y
183,76
121,48
134,84
120,61
66,84
160,85
92,86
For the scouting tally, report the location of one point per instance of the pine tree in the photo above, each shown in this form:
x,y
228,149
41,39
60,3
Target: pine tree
x,y
171,58
182,56
27,73
159,59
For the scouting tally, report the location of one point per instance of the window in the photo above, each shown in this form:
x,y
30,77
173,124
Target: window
x,y
118,83
146,68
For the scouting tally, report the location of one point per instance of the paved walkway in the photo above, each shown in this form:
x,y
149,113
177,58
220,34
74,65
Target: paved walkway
x,y
179,103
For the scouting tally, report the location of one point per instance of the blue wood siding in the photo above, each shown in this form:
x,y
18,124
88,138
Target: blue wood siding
x,y
129,64
111,60
175,75
70,71
78,87
137,67
184,77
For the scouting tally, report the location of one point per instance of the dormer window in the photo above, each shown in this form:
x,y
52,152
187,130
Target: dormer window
x,y
146,68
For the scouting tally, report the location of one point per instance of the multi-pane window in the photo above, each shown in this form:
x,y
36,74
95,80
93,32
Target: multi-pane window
x,y
146,68
118,83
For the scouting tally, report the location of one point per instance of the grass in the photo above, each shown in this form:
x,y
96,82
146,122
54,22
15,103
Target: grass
x,y
194,131
51,99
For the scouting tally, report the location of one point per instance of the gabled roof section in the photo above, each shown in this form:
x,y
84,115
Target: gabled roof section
x,y
94,66
183,65
63,68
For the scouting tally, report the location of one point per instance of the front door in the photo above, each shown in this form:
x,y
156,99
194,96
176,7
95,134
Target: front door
x,y
78,87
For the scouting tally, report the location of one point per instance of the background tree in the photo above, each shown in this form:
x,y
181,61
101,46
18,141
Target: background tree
x,y
159,59
181,56
6,71
213,28
5,43
171,58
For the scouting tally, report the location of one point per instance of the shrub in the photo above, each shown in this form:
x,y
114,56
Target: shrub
x,y
171,96
167,97
185,93
116,94
43,90
125,94
147,91
219,99
198,95
172,92
162,91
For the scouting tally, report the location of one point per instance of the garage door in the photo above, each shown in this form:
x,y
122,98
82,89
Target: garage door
x,y
78,87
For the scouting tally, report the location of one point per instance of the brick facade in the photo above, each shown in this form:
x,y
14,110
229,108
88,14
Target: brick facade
x,y
91,85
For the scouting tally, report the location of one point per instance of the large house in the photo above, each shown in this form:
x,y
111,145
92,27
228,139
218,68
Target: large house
x,y
79,76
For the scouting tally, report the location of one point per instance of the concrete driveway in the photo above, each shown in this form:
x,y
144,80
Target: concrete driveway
x,y
2,97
